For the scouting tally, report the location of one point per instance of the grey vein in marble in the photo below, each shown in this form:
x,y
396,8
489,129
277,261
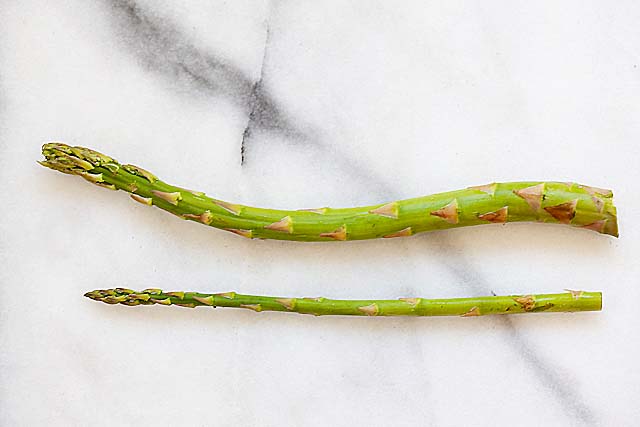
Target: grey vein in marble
x,y
165,51
162,49
264,114
543,370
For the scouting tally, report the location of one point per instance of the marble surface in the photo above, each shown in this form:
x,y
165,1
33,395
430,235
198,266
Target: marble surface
x,y
296,104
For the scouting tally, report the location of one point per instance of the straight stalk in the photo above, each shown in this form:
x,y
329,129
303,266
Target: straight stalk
x,y
569,301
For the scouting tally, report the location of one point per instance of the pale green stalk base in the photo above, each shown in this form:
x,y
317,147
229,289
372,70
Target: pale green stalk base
x,y
565,302
553,202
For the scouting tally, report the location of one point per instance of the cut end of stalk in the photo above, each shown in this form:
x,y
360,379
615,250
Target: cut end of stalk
x,y
604,205
611,227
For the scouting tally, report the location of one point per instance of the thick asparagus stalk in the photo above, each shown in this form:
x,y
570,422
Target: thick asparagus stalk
x,y
480,306
553,202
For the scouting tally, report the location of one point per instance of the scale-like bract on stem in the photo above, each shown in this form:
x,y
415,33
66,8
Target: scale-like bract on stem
x,y
466,307
553,202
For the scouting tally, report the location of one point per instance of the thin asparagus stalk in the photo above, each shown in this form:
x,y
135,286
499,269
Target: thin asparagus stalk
x,y
553,202
480,306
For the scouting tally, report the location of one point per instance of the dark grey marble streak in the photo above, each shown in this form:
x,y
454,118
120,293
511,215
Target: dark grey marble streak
x,y
163,50
264,113
541,369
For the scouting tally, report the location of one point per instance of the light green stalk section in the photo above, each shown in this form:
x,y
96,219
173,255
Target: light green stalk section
x,y
480,306
552,202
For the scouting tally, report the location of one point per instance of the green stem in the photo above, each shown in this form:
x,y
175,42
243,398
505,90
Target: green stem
x,y
565,302
553,202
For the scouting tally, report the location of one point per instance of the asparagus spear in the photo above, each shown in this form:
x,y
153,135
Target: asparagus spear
x,y
480,306
554,202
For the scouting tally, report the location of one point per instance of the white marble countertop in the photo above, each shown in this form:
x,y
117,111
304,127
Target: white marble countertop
x,y
294,104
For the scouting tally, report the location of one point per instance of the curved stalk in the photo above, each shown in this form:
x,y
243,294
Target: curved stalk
x,y
553,202
480,306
